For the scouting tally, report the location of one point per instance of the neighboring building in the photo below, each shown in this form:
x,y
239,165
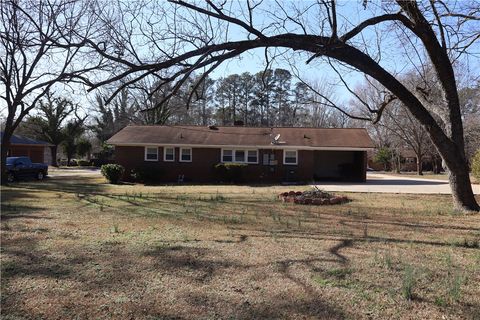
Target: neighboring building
x,y
271,154
407,161
36,150
429,161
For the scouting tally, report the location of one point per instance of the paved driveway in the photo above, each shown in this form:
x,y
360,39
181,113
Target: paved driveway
x,y
384,183
69,172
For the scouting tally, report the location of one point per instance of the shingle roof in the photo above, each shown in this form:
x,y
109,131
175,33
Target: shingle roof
x,y
243,136
25,141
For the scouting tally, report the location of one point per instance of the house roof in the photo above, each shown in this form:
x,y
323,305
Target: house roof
x,y
355,138
19,140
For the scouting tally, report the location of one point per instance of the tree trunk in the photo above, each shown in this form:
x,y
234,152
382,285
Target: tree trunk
x,y
397,163
462,188
419,166
53,150
7,134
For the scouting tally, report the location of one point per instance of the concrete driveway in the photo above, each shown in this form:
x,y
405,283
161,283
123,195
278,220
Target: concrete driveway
x,y
69,172
384,183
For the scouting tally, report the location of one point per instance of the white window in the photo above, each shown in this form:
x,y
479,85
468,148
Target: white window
x,y
239,155
290,157
227,155
169,154
252,156
185,154
151,153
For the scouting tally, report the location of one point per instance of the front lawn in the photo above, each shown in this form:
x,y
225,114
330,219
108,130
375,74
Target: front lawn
x,y
80,248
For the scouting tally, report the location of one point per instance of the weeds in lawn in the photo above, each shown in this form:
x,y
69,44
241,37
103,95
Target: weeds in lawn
x,y
182,197
471,243
440,301
408,282
114,229
454,284
335,278
453,281
387,259
217,197
384,261
340,273
9,268
323,282
274,235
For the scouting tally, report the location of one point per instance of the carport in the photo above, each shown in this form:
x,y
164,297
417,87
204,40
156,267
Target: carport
x,y
339,165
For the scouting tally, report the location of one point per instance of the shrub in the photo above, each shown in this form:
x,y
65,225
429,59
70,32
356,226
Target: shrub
x,y
146,174
384,156
113,172
476,166
230,172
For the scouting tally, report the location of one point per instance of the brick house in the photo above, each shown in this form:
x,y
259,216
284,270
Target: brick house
x,y
283,154
36,150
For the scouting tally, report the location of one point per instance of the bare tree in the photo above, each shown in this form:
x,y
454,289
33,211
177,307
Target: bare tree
x,y
48,124
197,36
397,129
40,45
400,123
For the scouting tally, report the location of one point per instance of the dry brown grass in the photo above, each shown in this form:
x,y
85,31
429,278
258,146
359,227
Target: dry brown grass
x,y
79,248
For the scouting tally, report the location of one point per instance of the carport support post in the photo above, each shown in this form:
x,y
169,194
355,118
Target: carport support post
x,y
365,165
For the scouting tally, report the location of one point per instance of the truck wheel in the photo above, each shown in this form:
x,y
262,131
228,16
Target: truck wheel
x,y
40,175
10,177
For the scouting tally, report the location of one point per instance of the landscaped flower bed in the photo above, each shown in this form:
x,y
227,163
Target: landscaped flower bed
x,y
312,197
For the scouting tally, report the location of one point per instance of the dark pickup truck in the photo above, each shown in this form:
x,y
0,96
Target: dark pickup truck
x,y
22,167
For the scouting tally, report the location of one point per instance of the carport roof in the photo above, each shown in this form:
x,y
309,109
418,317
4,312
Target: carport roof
x,y
233,136
19,140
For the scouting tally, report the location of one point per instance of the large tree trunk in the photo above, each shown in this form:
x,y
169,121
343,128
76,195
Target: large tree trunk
x,y
54,155
462,192
7,135
459,177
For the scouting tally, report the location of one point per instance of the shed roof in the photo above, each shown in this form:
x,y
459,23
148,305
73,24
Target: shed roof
x,y
352,138
19,140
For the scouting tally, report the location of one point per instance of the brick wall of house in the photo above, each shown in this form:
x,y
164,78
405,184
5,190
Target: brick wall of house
x,y
201,169
35,153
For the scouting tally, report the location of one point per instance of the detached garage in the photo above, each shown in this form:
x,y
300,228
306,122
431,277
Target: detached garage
x,y
37,150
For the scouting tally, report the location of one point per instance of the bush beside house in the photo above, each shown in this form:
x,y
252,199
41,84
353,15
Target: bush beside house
x,y
112,172
146,174
230,172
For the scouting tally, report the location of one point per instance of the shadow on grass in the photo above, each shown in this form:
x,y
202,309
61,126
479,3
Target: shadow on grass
x,y
10,211
74,184
30,262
